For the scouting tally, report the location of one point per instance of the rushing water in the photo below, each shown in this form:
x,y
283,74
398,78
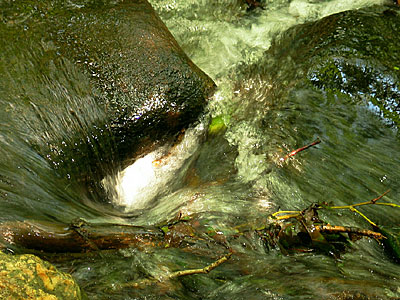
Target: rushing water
x,y
235,177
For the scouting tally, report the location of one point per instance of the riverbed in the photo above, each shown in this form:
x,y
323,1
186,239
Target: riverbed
x,y
236,175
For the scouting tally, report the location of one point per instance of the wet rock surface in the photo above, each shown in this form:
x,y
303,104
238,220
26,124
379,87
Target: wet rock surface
x,y
91,85
353,54
29,277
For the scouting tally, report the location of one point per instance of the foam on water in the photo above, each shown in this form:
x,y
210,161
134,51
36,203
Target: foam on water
x,y
155,174
216,43
217,35
230,186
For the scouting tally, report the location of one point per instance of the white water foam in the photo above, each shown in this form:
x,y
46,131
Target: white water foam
x,y
217,44
222,46
155,174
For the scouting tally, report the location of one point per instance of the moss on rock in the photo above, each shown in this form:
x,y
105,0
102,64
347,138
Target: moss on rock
x,y
29,277
354,54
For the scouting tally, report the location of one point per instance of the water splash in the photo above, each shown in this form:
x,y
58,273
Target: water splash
x,y
155,174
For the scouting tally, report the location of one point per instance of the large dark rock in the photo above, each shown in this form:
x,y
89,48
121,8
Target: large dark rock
x,y
353,53
91,84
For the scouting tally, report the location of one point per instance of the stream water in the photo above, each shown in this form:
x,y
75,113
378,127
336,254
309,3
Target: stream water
x,y
236,177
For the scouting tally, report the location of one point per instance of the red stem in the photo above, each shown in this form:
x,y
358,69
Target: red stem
x,y
294,152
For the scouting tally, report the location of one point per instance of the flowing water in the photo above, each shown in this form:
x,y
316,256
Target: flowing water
x,y
236,176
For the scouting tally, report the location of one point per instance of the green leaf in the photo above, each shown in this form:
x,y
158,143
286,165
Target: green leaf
x,y
217,125
165,229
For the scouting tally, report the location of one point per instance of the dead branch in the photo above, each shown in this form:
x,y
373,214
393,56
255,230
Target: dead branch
x,y
205,270
351,230
294,152
373,201
146,282
352,207
61,238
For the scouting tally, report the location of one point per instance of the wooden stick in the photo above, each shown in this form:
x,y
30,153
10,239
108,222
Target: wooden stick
x,y
149,281
373,201
363,232
286,212
204,270
294,152
362,215
285,217
61,238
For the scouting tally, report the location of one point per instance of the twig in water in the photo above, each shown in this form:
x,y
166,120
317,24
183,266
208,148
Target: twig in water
x,y
352,207
146,282
373,201
205,270
294,152
361,232
287,214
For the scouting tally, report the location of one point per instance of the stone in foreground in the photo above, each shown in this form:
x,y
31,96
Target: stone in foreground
x,y
29,277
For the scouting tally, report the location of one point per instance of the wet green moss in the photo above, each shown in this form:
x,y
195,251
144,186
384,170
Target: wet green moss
x,y
29,277
354,54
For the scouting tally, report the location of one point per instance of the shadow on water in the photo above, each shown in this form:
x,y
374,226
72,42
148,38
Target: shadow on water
x,y
228,181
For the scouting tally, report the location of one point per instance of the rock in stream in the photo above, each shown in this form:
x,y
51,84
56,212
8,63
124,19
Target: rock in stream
x,y
88,87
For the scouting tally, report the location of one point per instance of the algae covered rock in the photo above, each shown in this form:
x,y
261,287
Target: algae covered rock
x,y
29,277
89,85
353,53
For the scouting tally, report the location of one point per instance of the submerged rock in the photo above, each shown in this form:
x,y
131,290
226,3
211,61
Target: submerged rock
x,y
29,277
90,85
354,53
